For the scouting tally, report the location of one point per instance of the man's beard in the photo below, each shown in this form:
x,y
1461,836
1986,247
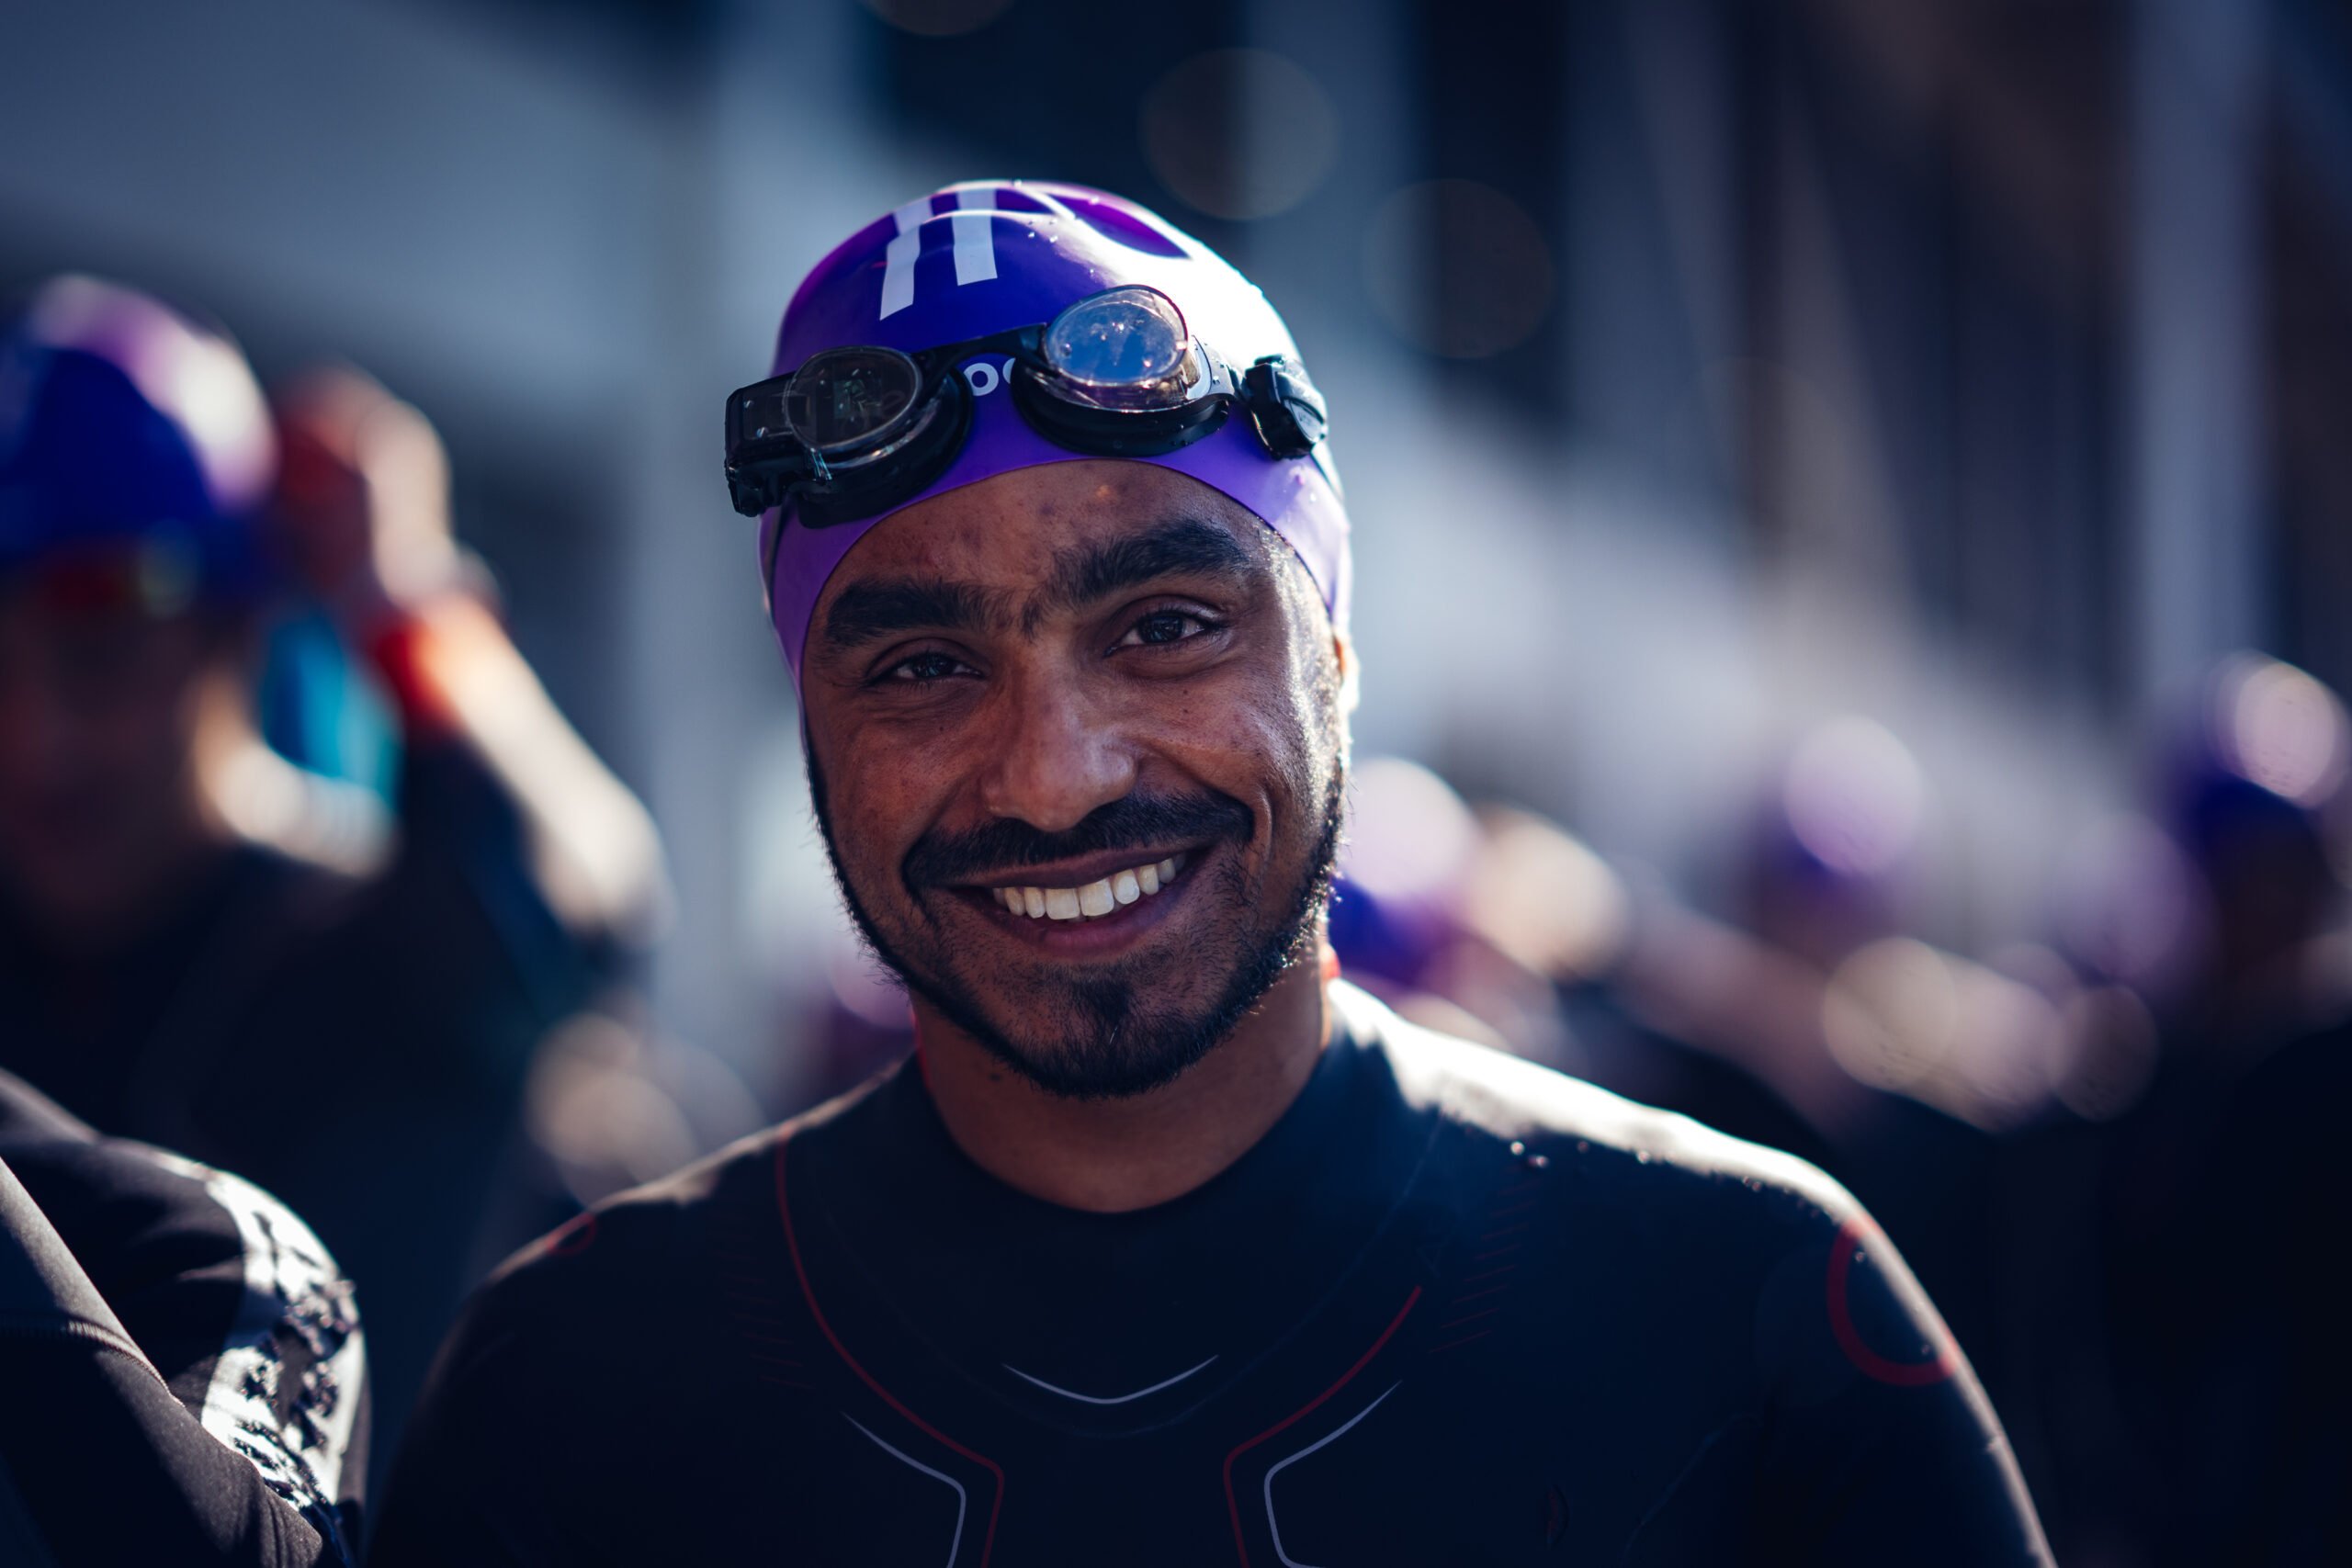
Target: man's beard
x,y
1115,1047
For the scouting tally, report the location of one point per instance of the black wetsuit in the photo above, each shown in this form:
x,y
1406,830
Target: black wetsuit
x,y
2172,1279
1452,1309
182,1378
358,1047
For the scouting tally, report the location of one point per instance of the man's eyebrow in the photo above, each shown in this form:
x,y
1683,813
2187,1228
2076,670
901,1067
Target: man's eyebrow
x,y
1182,546
868,611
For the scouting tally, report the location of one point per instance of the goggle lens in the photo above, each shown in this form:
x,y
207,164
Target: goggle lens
x,y
1126,340
851,398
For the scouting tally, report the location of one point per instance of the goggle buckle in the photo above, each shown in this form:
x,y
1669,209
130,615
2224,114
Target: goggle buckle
x,y
1284,406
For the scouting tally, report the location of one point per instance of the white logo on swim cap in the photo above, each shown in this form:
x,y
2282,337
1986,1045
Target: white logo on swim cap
x,y
974,246
985,377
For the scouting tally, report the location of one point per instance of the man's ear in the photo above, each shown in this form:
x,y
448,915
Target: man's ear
x,y
1343,652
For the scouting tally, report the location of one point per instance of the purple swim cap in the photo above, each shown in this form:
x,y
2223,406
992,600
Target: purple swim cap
x,y
124,423
985,257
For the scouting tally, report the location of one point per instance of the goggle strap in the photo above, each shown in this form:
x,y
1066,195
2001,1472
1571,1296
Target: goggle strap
x,y
1285,410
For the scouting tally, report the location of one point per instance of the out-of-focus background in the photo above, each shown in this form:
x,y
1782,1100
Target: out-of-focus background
x,y
1699,369
1824,455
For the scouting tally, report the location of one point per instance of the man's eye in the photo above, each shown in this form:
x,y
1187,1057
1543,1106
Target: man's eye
x,y
1163,626
922,667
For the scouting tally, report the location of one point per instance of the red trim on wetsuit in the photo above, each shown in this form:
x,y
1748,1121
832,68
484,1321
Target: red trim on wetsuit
x,y
575,1236
1849,1239
792,1244
1232,1505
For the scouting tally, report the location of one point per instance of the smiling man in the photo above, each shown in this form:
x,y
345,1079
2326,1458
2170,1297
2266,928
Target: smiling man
x,y
1166,1246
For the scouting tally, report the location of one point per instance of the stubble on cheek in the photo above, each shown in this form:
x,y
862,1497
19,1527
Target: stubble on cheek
x,y
1121,1027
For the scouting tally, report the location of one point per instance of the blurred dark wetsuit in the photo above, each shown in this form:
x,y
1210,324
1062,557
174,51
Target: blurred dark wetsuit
x,y
358,1047
1452,1309
182,1378
2179,1387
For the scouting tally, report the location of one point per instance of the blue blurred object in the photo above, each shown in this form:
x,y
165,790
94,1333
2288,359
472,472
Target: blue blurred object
x,y
129,432
1397,900
1371,937
320,710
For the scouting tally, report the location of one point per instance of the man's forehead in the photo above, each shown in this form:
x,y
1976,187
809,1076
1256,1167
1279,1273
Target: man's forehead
x,y
1011,527
1019,546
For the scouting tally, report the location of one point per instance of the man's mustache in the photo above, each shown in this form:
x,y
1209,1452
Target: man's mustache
x,y
1139,822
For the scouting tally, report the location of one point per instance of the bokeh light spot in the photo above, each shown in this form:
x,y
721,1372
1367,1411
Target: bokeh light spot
x,y
592,1106
2281,729
1410,838
1240,133
1545,900
2130,907
1892,1013
1854,797
1457,268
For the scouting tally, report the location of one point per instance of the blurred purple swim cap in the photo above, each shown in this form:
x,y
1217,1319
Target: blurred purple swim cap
x,y
123,424
991,256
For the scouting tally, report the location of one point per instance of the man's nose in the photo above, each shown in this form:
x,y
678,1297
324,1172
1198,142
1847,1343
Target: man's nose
x,y
1057,758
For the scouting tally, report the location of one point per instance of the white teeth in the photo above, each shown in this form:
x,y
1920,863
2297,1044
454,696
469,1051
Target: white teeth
x,y
1093,900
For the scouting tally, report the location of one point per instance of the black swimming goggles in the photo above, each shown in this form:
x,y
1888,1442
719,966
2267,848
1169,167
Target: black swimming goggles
x,y
854,432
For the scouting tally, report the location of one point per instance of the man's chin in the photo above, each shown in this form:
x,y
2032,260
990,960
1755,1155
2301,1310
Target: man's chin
x,y
1096,1079
1097,1050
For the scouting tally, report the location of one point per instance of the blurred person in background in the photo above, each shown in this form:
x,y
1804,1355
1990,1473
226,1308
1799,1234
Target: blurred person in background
x,y
207,947
857,1026
1533,936
1811,1022
1402,915
1166,1246
186,1376
1499,925
2173,1385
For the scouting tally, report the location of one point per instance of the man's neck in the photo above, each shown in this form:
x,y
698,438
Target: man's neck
x,y
1112,1155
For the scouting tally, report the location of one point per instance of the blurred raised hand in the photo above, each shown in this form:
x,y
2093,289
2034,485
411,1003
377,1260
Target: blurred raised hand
x,y
363,520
